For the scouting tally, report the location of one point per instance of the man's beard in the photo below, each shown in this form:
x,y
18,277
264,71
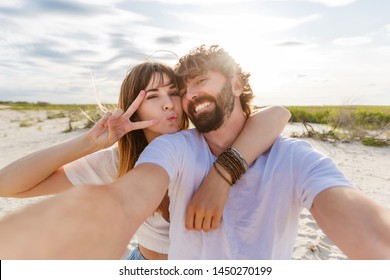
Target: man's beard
x,y
213,120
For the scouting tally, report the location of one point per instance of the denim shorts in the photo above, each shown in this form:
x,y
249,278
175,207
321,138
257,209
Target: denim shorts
x,y
135,255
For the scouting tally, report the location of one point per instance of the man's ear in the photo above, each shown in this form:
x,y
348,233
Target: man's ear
x,y
237,85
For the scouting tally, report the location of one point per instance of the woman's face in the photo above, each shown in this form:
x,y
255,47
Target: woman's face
x,y
163,102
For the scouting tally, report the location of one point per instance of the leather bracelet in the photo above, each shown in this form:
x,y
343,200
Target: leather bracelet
x,y
220,174
232,161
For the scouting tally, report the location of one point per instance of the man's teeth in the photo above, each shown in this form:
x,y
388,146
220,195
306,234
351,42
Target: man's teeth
x,y
202,106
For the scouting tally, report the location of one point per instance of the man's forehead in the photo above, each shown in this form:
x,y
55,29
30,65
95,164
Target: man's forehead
x,y
192,78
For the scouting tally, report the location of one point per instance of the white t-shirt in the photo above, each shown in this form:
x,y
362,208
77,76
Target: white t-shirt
x,y
260,219
101,168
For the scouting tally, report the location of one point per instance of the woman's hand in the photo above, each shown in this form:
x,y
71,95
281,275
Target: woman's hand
x,y
204,212
114,125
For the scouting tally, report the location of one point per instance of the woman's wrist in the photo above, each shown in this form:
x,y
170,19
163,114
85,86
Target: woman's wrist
x,y
87,144
232,163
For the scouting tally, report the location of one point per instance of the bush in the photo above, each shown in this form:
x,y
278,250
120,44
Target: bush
x,y
372,120
374,142
368,124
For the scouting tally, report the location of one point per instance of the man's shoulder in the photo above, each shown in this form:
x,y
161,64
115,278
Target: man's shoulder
x,y
285,146
291,143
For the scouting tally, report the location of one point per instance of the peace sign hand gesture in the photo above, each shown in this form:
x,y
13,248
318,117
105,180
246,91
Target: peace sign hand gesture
x,y
114,125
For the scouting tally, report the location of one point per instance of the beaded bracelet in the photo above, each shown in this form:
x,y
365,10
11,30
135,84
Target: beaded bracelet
x,y
232,161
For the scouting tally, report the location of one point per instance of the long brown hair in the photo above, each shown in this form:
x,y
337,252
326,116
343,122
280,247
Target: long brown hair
x,y
131,145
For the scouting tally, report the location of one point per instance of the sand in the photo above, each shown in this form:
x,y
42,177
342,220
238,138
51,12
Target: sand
x,y
366,167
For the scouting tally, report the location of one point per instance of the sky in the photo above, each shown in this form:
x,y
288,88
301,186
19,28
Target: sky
x,y
299,52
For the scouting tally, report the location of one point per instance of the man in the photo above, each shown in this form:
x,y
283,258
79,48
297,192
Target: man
x,y
260,218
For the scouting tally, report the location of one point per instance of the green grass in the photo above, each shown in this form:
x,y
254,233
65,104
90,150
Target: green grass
x,y
374,142
75,112
21,105
348,123
368,117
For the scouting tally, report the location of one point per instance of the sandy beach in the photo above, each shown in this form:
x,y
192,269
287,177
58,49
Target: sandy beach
x,y
366,167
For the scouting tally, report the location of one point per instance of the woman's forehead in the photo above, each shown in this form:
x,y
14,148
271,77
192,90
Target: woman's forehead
x,y
159,79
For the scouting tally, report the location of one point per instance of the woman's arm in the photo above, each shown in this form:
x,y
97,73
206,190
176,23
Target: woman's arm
x,y
262,128
41,173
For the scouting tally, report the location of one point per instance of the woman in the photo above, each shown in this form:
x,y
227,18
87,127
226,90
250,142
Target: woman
x,y
150,105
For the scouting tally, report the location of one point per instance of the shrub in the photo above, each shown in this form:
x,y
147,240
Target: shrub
x,y
375,142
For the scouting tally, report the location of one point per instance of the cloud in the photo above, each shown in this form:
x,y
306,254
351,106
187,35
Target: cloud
x,y
291,44
244,22
352,41
44,50
329,3
58,27
199,2
168,40
32,8
11,3
56,43
65,7
49,48
386,30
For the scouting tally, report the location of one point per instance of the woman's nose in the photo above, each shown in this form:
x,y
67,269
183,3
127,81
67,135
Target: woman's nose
x,y
168,104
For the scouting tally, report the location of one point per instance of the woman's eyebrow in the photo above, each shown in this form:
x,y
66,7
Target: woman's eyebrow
x,y
151,89
171,85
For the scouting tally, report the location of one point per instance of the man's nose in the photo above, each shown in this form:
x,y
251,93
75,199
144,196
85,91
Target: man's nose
x,y
191,93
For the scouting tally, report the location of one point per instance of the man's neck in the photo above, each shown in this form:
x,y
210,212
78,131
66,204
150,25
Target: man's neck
x,y
222,138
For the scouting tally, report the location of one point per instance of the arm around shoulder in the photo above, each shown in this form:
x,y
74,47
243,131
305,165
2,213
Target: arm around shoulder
x,y
264,125
262,128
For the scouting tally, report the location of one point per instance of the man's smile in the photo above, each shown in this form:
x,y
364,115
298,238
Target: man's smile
x,y
200,107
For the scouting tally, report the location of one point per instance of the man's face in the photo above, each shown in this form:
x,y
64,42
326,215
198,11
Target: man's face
x,y
208,100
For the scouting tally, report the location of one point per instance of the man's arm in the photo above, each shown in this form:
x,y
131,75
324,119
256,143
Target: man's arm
x,y
262,128
356,224
92,222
